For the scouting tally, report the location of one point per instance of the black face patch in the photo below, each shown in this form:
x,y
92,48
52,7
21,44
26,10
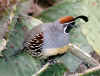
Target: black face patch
x,y
69,27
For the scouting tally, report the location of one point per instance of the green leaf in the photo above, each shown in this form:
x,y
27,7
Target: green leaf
x,y
93,73
23,64
91,29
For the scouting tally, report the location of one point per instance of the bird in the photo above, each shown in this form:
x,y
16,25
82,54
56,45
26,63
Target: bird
x,y
49,40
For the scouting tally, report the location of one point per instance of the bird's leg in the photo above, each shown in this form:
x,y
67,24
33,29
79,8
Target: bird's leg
x,y
42,69
49,61
52,61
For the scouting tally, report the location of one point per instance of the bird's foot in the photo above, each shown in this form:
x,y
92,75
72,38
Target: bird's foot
x,y
52,61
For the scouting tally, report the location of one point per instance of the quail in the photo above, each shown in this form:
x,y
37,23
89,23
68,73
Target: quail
x,y
50,40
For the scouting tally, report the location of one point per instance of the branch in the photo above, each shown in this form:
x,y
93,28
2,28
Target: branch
x,y
92,70
82,55
42,69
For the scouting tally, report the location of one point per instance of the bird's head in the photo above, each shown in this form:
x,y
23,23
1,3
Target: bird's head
x,y
68,22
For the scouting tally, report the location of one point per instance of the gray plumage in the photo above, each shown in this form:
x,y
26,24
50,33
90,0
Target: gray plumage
x,y
50,39
53,37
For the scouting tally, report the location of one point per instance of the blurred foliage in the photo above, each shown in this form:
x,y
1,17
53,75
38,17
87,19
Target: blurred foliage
x,y
45,3
23,65
91,29
93,73
5,5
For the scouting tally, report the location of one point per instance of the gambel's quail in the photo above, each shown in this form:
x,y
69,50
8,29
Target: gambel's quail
x,y
50,40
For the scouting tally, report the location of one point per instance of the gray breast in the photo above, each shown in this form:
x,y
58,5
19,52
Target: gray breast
x,y
54,38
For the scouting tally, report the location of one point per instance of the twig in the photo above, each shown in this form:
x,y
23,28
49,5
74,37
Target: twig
x,y
42,69
82,55
90,70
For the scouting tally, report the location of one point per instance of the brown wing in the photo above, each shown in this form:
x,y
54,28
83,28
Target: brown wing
x,y
34,45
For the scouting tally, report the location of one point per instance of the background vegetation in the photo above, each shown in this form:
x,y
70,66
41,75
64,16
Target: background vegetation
x,y
16,16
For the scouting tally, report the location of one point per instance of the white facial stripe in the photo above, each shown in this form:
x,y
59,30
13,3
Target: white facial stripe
x,y
65,29
68,23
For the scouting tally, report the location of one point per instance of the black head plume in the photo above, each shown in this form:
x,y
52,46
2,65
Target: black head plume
x,y
85,18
